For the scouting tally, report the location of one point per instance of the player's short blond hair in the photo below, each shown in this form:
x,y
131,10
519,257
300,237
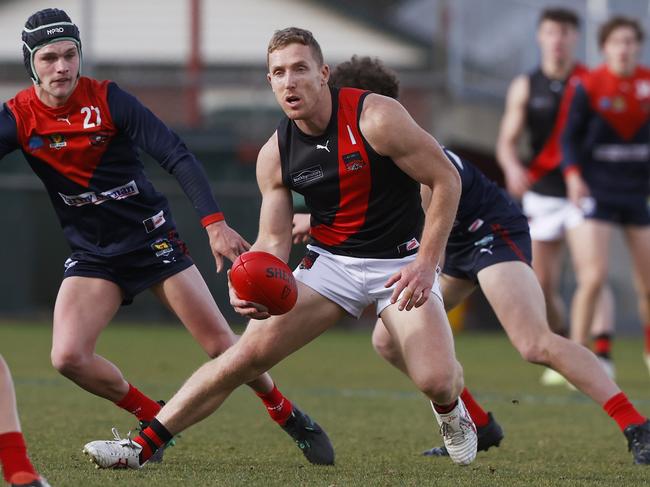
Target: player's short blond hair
x,y
295,35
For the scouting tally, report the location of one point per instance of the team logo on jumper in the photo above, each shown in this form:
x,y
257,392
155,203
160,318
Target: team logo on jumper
x,y
618,104
119,193
158,220
57,141
307,176
162,247
308,260
353,161
35,142
98,138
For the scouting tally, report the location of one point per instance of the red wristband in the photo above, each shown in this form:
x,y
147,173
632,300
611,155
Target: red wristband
x,y
215,217
572,170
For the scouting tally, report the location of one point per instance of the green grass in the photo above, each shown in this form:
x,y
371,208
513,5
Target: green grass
x,y
376,420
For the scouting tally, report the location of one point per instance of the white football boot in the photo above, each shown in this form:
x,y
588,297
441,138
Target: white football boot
x,y
118,453
458,433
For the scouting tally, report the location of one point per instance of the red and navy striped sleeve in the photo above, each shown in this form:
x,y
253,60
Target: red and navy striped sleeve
x,y
150,134
8,132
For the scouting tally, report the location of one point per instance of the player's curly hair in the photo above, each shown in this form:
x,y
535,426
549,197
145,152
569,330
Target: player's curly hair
x,y
295,35
366,73
616,22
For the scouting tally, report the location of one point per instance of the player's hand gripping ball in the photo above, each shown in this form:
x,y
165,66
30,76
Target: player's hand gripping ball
x,y
264,279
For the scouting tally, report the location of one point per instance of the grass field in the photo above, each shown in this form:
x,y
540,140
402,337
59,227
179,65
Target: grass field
x,y
376,420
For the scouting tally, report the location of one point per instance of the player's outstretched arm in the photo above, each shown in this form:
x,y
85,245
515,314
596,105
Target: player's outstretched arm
x,y
510,130
274,234
392,132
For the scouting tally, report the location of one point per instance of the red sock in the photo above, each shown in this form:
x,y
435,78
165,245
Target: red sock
x,y
444,409
278,406
13,456
479,416
620,409
138,404
646,329
603,345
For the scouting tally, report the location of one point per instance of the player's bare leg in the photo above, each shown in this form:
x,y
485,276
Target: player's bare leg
x,y
187,295
547,264
426,347
84,307
590,260
638,240
261,346
454,291
16,466
522,314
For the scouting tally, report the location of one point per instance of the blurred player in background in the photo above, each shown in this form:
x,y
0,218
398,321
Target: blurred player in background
x,y
533,104
17,469
606,162
80,137
358,159
489,246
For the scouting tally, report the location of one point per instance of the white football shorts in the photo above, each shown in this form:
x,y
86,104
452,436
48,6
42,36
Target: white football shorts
x,y
353,282
549,217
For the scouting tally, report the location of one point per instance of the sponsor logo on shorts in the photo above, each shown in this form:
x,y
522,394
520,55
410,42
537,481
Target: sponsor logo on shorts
x,y
119,193
57,141
158,220
306,176
308,260
476,224
353,161
69,264
162,247
488,239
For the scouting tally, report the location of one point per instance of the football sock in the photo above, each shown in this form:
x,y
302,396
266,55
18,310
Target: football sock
x,y
278,406
138,404
444,409
620,409
478,414
603,345
13,456
152,438
646,330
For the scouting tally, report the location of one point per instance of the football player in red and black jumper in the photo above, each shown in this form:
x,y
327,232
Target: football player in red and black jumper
x,y
489,247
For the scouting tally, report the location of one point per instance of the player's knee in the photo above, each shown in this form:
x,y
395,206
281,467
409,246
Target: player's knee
x,y
441,386
220,343
535,350
384,346
592,278
68,361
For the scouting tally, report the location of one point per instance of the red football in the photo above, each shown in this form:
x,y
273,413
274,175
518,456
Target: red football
x,y
264,279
